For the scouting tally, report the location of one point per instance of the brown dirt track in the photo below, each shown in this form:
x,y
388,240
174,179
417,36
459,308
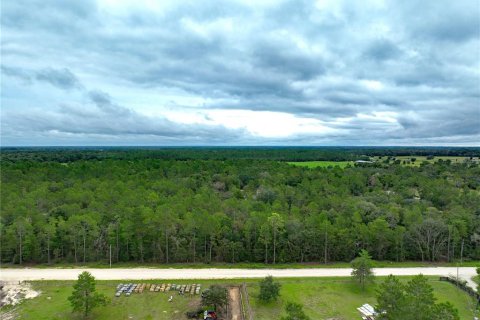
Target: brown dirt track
x,y
235,304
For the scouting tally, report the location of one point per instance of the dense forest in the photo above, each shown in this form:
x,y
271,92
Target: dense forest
x,y
223,206
68,154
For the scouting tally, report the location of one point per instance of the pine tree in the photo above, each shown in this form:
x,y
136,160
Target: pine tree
x,y
362,268
84,297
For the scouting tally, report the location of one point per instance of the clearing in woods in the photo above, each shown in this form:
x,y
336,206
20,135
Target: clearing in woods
x,y
235,304
321,164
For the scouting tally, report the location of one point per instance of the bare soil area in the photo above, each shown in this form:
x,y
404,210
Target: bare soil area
x,y
235,304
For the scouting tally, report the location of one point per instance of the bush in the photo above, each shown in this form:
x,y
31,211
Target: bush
x,y
269,290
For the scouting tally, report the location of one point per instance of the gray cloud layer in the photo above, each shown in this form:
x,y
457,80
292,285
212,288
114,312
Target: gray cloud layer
x,y
375,72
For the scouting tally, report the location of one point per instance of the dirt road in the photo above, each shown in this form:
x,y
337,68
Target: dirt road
x,y
234,304
151,273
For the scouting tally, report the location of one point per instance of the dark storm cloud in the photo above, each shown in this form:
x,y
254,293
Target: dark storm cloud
x,y
62,78
339,63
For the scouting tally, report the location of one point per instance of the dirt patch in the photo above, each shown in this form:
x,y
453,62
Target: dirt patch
x,y
234,304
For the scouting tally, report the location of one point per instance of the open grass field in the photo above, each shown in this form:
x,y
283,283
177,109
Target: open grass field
x,y
333,298
322,298
407,160
53,304
322,164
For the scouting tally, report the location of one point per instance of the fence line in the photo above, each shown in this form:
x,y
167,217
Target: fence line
x,y
248,314
462,285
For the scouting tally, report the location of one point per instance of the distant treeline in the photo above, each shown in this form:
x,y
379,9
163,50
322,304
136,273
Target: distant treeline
x,y
69,154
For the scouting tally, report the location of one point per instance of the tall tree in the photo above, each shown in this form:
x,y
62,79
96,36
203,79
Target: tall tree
x,y
362,268
391,298
276,222
430,237
84,297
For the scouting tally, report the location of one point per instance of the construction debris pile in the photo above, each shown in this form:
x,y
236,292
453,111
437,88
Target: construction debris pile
x,y
12,293
182,289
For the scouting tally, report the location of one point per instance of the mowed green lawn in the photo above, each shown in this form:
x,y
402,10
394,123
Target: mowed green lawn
x,y
322,164
323,298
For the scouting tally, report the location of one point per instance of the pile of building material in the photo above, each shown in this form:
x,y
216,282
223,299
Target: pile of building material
x,y
129,288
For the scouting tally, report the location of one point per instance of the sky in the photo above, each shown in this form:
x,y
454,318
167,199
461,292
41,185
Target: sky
x,y
249,72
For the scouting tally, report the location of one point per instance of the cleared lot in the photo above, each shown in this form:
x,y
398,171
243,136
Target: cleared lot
x,y
323,298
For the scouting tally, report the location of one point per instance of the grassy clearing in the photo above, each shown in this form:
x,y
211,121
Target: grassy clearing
x,y
322,164
338,298
52,304
420,159
322,297
242,265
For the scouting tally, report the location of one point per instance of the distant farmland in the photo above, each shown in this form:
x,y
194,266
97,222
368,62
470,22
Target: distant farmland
x,y
322,164
407,160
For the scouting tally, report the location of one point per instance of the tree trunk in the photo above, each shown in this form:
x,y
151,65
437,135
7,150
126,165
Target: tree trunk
x,y
166,244
117,249
128,252
461,252
448,246
21,247
210,258
274,244
48,249
326,245
194,248
205,248
266,252
75,248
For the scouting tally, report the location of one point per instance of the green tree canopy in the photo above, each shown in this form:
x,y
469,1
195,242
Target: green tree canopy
x,y
84,297
391,297
295,312
269,289
215,296
362,268
412,301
